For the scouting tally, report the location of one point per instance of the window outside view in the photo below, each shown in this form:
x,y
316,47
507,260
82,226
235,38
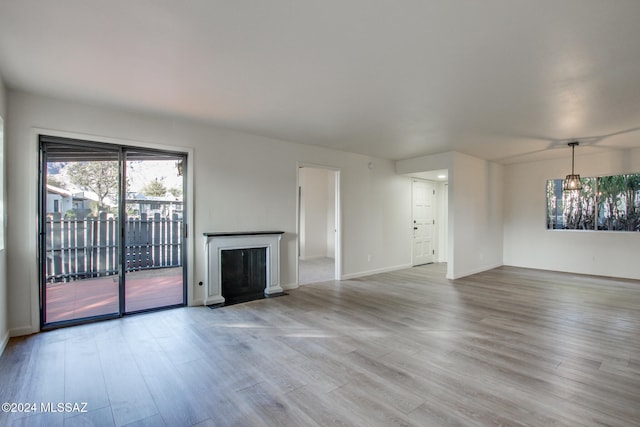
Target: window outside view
x,y
83,249
606,203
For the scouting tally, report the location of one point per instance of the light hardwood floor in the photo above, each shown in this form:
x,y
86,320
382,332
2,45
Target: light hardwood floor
x,y
506,347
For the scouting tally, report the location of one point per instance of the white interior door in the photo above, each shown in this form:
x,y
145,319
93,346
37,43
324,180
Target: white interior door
x,y
423,193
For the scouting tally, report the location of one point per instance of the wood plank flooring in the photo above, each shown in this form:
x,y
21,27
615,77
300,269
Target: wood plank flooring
x,y
511,347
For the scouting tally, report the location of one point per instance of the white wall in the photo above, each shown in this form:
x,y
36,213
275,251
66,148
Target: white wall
x,y
527,242
331,214
475,210
242,182
4,307
442,220
476,205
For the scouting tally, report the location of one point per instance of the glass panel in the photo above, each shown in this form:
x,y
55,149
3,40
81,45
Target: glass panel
x,y
619,203
153,231
571,210
85,262
555,204
80,227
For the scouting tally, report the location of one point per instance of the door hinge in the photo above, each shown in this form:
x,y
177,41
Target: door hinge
x,y
434,221
186,231
434,192
433,252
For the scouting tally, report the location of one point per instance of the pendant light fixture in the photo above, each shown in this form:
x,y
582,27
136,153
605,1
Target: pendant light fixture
x,y
572,182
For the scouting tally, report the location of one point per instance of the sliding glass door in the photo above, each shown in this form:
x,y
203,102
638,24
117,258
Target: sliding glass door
x,y
153,230
111,230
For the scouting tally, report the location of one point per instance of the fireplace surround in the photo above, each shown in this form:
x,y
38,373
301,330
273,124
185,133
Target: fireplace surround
x,y
239,263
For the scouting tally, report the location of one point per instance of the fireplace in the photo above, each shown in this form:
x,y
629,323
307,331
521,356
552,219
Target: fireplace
x,y
242,266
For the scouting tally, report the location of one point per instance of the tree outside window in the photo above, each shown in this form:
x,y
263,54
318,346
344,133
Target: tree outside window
x,y
609,203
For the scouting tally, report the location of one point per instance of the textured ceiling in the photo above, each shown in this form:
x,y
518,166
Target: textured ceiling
x,y
504,80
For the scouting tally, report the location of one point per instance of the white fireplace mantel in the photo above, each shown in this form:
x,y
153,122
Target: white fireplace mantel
x,y
216,242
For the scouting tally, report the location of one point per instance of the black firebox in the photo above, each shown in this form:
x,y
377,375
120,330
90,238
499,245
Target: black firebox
x,y
243,274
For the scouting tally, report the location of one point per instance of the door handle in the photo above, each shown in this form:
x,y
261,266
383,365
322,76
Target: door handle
x,y
415,228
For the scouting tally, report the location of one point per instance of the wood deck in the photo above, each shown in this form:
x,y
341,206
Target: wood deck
x,y
511,347
98,296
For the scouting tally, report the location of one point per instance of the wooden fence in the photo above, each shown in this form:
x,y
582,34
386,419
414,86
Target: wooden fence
x,y
83,248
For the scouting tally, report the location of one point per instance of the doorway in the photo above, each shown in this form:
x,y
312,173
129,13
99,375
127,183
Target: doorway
x,y
424,223
318,224
111,230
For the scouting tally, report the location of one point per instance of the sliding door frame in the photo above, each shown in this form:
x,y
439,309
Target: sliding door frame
x,y
121,147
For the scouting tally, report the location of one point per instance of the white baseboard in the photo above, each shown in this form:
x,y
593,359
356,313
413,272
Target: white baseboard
x,y
375,271
23,330
3,342
476,271
290,286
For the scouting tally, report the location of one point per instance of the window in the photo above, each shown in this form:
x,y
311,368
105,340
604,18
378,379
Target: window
x,y
1,184
610,203
619,204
